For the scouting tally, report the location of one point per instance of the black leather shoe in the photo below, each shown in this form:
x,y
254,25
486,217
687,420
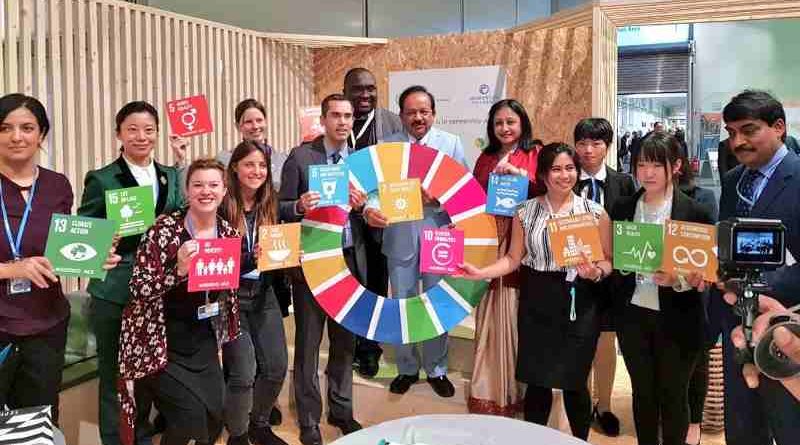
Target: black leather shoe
x,y
275,416
368,365
310,435
347,426
442,386
238,440
607,421
402,383
264,436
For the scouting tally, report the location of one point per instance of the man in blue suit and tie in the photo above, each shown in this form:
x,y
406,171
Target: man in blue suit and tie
x,y
401,243
766,184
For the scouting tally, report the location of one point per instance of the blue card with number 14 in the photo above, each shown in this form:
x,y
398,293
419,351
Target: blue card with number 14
x,y
505,193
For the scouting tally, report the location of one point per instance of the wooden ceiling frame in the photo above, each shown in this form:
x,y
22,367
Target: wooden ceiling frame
x,y
607,16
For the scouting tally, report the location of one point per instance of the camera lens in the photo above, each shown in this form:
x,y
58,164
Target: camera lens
x,y
769,359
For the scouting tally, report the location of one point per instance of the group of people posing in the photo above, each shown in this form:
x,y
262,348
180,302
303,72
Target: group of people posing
x,y
212,360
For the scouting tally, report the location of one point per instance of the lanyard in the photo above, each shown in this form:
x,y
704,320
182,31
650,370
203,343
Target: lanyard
x,y
250,236
354,137
572,273
190,229
15,245
748,201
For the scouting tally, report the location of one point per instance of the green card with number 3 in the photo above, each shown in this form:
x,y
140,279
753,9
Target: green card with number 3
x,y
638,246
78,246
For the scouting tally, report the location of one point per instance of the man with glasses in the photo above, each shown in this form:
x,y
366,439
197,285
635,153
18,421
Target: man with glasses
x,y
401,243
765,185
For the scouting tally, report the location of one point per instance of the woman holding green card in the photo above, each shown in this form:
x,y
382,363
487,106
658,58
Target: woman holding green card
x,y
33,311
137,129
659,316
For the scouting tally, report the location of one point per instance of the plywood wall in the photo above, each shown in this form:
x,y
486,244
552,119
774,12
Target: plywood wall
x,y
85,59
549,71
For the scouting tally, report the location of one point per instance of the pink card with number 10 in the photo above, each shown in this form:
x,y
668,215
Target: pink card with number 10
x,y
441,251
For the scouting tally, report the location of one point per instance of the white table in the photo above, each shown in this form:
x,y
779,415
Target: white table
x,y
458,429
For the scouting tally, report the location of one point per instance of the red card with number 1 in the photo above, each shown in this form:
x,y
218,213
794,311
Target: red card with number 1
x,y
216,265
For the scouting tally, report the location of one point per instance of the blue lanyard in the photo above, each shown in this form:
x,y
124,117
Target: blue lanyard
x,y
248,236
15,245
190,227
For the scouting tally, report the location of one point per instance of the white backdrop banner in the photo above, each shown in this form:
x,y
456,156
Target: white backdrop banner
x,y
463,98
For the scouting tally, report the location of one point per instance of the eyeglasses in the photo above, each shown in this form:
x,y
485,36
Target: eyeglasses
x,y
413,113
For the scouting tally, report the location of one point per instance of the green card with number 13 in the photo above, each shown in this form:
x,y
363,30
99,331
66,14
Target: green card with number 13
x,y
78,246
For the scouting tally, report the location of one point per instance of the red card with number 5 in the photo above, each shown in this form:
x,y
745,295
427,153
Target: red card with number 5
x,y
189,116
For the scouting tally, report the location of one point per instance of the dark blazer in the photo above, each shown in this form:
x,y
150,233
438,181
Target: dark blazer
x,y
726,160
117,175
294,182
386,123
779,200
616,186
682,312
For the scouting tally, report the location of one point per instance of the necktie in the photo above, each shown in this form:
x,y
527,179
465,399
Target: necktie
x,y
595,188
336,157
746,189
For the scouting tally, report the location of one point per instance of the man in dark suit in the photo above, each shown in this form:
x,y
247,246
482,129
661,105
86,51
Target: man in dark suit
x,y
606,186
765,185
726,160
310,319
370,125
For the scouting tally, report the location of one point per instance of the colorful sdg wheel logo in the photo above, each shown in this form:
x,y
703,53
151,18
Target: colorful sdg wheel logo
x,y
393,320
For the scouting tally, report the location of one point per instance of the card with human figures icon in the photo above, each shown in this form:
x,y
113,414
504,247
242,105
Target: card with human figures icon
x,y
279,246
216,265
133,209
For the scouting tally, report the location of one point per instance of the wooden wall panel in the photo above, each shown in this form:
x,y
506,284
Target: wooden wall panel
x,y
549,70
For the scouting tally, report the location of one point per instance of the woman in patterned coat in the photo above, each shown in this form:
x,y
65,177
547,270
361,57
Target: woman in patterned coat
x,y
171,337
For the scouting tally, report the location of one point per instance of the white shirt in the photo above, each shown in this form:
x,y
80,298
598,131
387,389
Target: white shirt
x,y
145,175
646,292
601,175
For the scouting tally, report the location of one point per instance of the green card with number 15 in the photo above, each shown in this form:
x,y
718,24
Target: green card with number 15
x,y
78,246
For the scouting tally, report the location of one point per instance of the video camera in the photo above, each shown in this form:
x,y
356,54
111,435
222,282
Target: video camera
x,y
748,247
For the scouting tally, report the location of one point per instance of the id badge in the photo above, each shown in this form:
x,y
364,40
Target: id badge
x,y
208,310
18,286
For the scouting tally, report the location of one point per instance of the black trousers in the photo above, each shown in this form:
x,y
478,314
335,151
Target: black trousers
x,y
698,387
378,282
31,375
660,370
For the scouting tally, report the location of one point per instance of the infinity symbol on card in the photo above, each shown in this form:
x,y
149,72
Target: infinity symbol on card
x,y
697,257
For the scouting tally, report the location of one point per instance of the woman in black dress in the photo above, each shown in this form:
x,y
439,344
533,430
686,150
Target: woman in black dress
x,y
557,318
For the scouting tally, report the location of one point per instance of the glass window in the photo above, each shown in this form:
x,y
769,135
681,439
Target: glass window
x,y
481,15
530,10
339,17
391,18
652,34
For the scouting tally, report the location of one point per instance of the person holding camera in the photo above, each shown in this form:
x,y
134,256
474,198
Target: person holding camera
x,y
786,341
765,185
659,316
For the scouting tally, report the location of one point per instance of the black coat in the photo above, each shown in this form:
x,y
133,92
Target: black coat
x,y
682,312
